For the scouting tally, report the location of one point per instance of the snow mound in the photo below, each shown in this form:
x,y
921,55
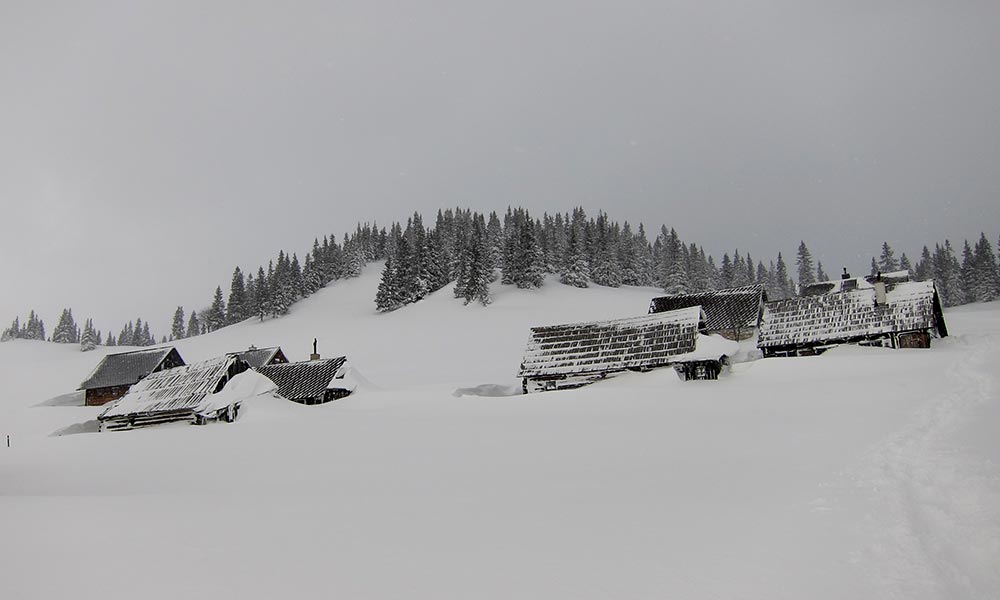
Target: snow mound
x,y
243,387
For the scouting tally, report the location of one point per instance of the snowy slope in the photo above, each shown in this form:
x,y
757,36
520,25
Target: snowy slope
x,y
863,473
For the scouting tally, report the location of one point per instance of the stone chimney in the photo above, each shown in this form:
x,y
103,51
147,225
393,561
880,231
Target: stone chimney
x,y
315,354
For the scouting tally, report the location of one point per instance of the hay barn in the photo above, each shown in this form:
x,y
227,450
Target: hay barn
x,y
896,313
576,354
117,373
177,394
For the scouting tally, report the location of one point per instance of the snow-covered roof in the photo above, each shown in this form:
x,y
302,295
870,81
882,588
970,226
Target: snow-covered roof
x,y
724,309
849,315
178,389
308,379
126,368
258,357
848,284
609,346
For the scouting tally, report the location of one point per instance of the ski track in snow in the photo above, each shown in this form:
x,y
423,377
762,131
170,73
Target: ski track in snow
x,y
936,507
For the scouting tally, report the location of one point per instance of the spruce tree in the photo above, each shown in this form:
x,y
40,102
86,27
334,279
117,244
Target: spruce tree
x,y
968,273
236,309
215,316
576,271
782,284
925,266
986,281
261,294
177,327
194,325
805,264
13,332
87,339
887,262
65,328
904,263
389,296
476,266
820,273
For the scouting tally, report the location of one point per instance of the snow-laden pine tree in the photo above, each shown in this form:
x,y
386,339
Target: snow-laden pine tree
x,y
968,272
783,287
925,266
261,303
297,282
13,332
215,317
66,331
804,262
194,325
676,281
986,279
87,338
904,263
606,269
389,296
476,266
177,326
576,271
236,308
887,262
820,273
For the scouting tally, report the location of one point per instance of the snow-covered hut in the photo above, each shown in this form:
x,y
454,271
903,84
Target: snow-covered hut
x,y
311,382
901,314
180,394
116,373
258,357
733,313
576,354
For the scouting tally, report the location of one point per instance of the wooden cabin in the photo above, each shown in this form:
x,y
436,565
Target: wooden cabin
x,y
733,313
310,382
890,313
577,354
117,373
177,394
258,357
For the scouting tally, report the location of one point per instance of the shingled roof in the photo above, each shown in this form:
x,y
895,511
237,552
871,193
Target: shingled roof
x,y
258,357
847,284
300,380
610,346
851,315
179,389
126,368
724,309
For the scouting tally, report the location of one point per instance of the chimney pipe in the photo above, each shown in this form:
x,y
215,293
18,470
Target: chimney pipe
x,y
315,354
845,274
879,291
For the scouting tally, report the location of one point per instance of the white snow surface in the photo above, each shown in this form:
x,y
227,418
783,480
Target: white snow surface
x,y
241,388
861,473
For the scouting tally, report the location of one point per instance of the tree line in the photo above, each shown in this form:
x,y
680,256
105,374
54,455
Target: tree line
x,y
471,250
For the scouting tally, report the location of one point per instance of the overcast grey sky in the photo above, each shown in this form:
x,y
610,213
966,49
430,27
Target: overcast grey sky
x,y
148,147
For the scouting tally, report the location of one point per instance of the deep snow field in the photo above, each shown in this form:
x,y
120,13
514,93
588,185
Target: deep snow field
x,y
862,473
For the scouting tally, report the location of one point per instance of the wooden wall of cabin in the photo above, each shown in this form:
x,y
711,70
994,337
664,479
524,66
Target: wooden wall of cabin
x,y
101,396
914,339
